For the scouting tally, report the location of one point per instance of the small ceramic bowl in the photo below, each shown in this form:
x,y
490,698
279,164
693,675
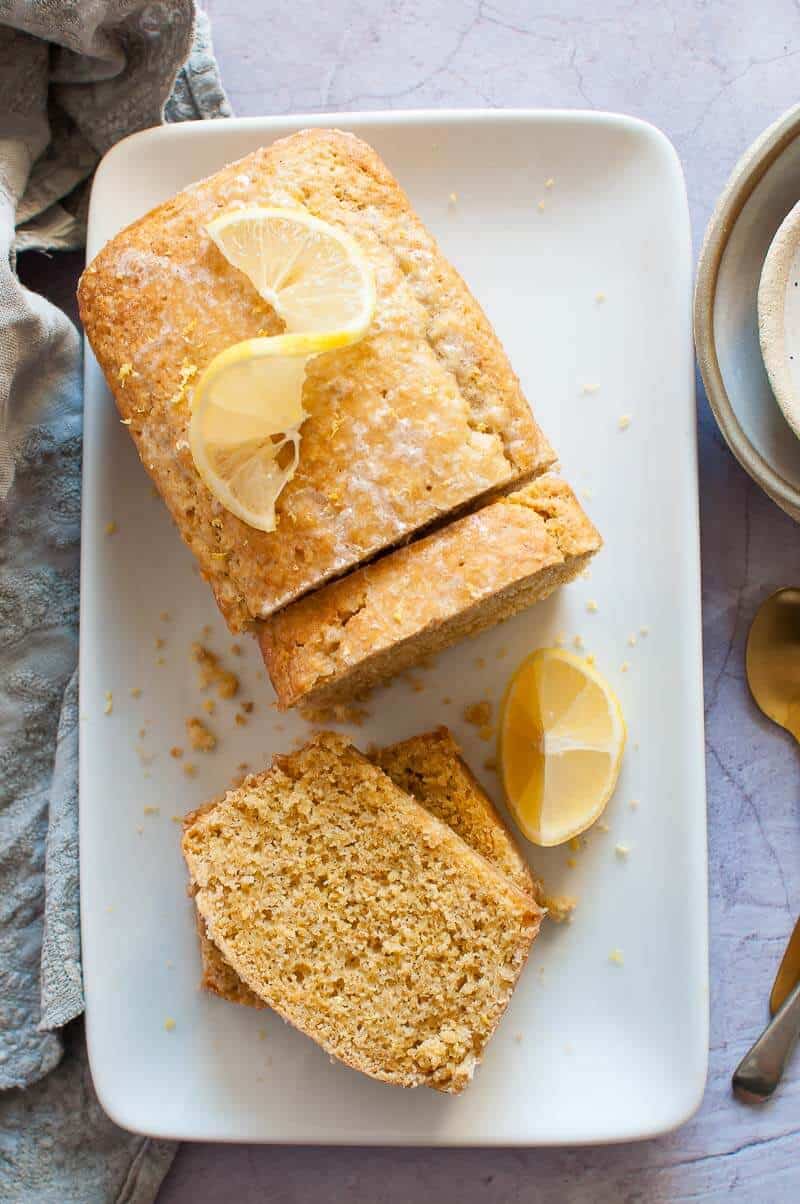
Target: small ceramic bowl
x,y
764,187
779,317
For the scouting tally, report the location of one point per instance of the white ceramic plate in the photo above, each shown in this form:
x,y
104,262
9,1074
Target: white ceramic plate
x,y
589,1051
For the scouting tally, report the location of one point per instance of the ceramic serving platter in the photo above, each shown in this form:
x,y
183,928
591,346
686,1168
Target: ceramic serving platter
x,y
572,229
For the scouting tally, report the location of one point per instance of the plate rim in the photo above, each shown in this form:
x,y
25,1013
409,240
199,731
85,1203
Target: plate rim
x,y
746,175
695,1081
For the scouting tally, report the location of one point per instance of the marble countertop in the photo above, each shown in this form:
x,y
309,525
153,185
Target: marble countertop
x,y
712,76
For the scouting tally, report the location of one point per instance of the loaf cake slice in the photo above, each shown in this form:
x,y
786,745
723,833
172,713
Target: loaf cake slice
x,y
417,421
429,767
358,916
344,639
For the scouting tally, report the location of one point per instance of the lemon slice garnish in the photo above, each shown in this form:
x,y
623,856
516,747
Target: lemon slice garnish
x,y
247,408
562,736
314,275
247,411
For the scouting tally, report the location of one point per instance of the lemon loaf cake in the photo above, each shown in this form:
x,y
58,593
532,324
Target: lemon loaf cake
x,y
418,420
347,637
429,767
358,916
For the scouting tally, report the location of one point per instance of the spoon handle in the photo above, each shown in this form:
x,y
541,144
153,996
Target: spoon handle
x,y
760,1070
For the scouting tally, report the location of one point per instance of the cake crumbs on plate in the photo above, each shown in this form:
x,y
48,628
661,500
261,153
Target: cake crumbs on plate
x,y
633,804
575,844
176,752
452,199
589,660
480,662
161,660
486,732
644,631
599,298
209,706
136,691
247,707
560,909
518,1038
159,642
631,640
164,616
602,826
616,957
479,714
578,641
587,495
590,387
108,705
240,720
236,649
624,667
201,738
571,862
213,673
190,769
336,712
560,639
139,830
592,606
540,206
624,422
490,764
169,1024
501,653
549,182
622,850
177,819
111,528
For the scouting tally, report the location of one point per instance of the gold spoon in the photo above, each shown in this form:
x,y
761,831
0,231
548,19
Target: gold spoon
x,y
773,674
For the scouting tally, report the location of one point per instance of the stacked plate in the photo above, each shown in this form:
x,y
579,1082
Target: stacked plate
x,y
751,246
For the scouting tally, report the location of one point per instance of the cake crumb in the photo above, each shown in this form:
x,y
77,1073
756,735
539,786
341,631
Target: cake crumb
x,y
644,631
336,712
125,370
164,616
149,810
616,957
486,732
592,606
159,643
187,373
176,752
247,707
491,764
560,909
111,528
416,685
480,662
136,692
571,862
633,804
622,850
540,206
624,422
201,738
631,641
236,649
586,494
501,653
161,660
446,700
209,706
549,182
262,1034
453,198
589,660
578,641
213,673
240,720
518,1038
176,819
599,298
624,667
602,826
108,706
560,639
575,844
169,1024
189,769
479,714
139,830
590,388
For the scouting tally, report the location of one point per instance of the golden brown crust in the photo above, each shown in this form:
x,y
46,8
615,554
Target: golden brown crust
x,y
361,918
383,618
423,417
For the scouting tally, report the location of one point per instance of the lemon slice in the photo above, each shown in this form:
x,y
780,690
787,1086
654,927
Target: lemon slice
x,y
247,410
314,275
562,736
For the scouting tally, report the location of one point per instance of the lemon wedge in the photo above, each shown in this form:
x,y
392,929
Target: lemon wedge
x,y
247,410
562,736
314,275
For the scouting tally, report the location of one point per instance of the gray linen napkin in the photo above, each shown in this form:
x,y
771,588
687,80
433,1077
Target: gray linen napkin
x,y
74,79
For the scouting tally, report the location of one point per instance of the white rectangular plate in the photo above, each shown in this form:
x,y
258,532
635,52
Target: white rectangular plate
x,y
572,230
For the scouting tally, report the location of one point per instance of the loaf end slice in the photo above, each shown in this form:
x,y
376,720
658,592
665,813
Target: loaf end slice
x,y
338,643
359,917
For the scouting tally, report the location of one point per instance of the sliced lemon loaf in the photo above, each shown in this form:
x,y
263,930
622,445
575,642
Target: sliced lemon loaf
x,y
359,917
429,767
421,418
344,639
